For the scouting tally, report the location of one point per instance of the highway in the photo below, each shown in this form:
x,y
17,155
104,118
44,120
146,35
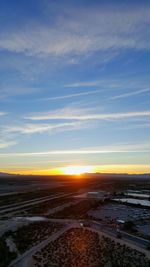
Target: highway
x,y
22,261
21,205
23,202
140,242
137,240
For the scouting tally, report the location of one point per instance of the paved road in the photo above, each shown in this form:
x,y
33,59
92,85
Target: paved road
x,y
33,202
24,202
143,243
123,242
140,241
135,242
22,260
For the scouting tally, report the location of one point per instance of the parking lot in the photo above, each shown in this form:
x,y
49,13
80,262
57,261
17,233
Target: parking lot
x,y
119,212
144,229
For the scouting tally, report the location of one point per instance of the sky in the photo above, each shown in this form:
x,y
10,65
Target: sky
x,y
75,86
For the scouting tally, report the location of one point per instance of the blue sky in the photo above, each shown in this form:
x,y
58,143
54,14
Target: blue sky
x,y
75,84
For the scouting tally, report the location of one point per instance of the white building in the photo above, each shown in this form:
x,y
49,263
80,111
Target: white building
x,y
101,195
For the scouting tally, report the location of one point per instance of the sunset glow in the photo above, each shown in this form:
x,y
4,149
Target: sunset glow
x,y
75,87
74,133
77,170
81,169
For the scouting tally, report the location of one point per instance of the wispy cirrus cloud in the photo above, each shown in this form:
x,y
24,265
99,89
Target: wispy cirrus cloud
x,y
117,148
86,114
120,82
10,90
82,31
31,128
13,132
2,113
132,93
84,84
5,144
92,92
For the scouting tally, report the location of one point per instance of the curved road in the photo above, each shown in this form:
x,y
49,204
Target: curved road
x,y
135,242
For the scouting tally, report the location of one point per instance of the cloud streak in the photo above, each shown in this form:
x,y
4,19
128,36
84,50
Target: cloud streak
x,y
31,128
83,31
72,152
84,84
69,96
138,92
81,115
2,113
5,144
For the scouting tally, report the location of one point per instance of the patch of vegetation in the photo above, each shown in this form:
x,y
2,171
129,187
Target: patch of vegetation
x,y
84,248
29,235
5,255
42,208
77,211
128,225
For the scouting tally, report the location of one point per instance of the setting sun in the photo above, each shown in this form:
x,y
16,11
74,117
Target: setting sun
x,y
77,170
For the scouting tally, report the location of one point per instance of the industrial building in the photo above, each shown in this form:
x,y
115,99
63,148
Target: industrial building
x,y
101,195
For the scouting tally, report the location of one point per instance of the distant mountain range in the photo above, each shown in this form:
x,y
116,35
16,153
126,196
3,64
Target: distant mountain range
x,y
119,175
5,174
142,175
